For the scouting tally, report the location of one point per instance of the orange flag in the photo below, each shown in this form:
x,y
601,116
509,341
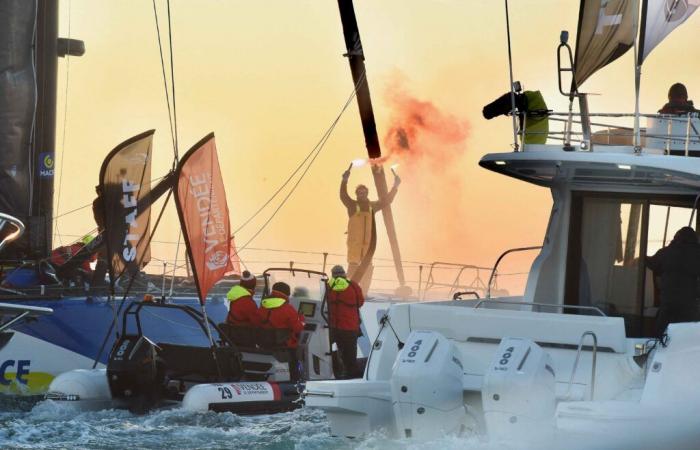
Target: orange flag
x,y
201,206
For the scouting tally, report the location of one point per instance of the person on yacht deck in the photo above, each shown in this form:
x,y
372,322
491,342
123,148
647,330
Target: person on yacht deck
x,y
243,311
678,267
345,299
678,102
276,312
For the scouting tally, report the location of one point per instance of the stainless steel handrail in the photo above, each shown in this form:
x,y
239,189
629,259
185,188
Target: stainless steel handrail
x,y
498,261
458,295
476,283
549,305
5,218
578,356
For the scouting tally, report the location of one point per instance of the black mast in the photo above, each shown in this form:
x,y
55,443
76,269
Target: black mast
x,y
29,51
356,58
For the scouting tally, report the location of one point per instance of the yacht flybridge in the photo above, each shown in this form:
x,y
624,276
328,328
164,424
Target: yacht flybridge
x,y
579,351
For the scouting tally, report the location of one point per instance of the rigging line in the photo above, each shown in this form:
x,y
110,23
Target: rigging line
x,y
320,146
131,280
177,252
301,164
172,81
165,79
56,231
89,204
32,131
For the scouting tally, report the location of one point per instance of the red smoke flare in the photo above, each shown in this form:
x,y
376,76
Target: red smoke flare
x,y
420,133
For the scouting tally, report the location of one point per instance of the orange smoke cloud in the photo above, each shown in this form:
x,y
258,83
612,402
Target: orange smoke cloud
x,y
428,142
420,133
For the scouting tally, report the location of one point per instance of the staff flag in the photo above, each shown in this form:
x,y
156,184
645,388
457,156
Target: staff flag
x,y
125,182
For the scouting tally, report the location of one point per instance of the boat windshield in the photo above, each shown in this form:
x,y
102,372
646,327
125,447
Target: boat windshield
x,y
611,237
302,284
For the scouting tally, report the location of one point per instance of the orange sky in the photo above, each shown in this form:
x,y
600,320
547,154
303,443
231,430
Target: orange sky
x,y
269,77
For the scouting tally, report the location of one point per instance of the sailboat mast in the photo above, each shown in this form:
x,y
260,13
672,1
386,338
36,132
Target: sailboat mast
x,y
29,51
44,145
356,59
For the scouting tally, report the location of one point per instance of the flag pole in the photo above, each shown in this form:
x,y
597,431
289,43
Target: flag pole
x,y
638,49
512,92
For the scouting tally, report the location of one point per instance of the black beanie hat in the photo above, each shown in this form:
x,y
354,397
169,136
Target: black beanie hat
x,y
281,287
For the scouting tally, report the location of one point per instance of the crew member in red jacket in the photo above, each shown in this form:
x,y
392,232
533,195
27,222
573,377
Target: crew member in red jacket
x,y
344,302
242,310
276,312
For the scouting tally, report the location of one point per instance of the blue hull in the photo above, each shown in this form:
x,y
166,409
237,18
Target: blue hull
x,y
72,337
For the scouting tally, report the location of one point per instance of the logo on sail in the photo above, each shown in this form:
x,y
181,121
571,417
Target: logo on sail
x,y
46,165
217,260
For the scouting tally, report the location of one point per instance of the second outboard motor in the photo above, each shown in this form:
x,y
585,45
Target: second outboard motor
x,y
426,387
518,392
132,372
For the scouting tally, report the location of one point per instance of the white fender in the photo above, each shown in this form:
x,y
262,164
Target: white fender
x,y
86,388
202,396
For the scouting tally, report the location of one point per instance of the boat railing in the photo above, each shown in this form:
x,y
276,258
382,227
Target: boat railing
x,y
669,134
475,284
494,270
578,357
6,219
540,305
458,295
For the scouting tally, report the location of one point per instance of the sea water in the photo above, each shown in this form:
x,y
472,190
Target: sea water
x,y
52,425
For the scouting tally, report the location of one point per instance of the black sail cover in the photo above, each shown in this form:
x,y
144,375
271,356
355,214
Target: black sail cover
x,y
17,105
606,30
125,180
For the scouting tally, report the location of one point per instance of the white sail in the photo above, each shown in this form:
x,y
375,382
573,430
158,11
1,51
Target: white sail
x,y
659,18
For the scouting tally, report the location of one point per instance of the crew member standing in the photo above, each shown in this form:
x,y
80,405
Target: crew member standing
x,y
276,312
344,302
678,266
362,233
242,310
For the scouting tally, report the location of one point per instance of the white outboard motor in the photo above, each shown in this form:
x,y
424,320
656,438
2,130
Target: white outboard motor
x,y
426,387
518,393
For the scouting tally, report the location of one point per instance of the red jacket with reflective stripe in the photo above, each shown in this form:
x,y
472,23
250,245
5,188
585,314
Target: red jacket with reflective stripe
x,y
344,307
283,317
243,311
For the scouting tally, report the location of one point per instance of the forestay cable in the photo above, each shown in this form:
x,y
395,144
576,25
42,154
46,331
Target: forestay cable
x,y
165,81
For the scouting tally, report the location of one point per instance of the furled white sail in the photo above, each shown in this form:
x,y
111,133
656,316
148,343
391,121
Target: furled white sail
x,y
659,18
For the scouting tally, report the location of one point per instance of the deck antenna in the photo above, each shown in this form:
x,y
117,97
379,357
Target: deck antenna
x,y
516,147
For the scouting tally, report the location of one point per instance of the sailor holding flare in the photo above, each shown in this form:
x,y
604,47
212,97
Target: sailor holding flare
x,y
361,231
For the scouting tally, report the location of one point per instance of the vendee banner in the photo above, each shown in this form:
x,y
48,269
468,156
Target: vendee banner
x,y
203,213
125,180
